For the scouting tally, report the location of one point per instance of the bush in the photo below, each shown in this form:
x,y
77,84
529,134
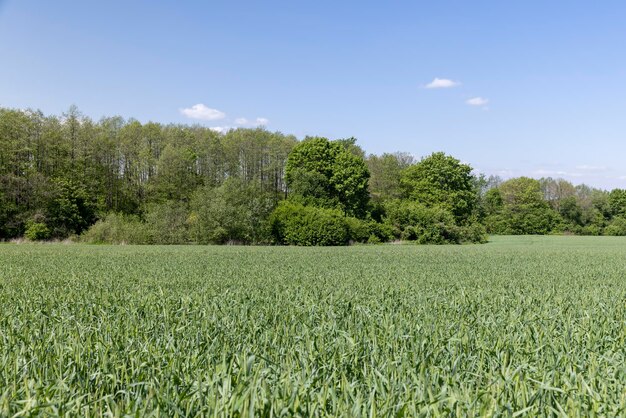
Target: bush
x,y
296,224
413,221
474,233
379,232
531,220
358,230
36,231
166,223
70,211
591,230
368,231
233,212
525,219
117,229
373,239
497,224
617,227
436,233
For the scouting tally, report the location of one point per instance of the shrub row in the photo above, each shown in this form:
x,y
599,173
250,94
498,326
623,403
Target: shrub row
x,y
290,223
293,223
412,221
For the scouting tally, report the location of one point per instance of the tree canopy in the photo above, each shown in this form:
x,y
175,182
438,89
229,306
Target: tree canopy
x,y
117,180
441,180
328,174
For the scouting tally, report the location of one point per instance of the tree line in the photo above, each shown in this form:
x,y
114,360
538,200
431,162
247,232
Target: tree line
x,y
117,180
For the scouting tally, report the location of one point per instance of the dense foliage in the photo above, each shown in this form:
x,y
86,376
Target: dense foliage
x,y
297,224
67,172
325,173
123,181
441,180
518,327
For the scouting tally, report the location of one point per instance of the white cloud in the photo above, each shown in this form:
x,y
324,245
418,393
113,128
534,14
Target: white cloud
x,y
256,122
442,83
202,112
477,101
221,129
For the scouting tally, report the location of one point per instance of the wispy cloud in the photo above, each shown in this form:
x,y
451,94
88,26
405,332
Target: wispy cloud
x,y
202,112
442,83
586,167
256,122
544,172
477,101
505,173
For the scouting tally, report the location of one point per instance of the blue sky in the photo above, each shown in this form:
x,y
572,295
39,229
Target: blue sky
x,y
526,88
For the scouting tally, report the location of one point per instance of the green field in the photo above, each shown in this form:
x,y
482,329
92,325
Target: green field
x,y
517,327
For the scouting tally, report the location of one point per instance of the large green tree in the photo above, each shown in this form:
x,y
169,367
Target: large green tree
x,y
617,202
71,210
386,173
518,206
441,180
328,174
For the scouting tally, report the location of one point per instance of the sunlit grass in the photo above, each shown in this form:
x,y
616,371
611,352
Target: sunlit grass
x,y
520,326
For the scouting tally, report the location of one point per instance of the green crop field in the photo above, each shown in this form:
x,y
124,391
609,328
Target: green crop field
x,y
517,327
